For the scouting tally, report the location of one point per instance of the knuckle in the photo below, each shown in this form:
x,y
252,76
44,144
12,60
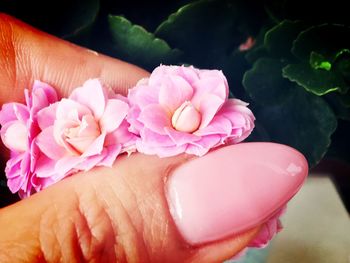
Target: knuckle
x,y
90,227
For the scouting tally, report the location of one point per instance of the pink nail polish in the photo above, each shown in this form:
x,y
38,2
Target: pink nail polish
x,y
233,189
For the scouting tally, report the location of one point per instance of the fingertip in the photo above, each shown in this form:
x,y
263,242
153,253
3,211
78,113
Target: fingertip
x,y
30,54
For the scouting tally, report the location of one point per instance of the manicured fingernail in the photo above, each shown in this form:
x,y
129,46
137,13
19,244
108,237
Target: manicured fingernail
x,y
233,189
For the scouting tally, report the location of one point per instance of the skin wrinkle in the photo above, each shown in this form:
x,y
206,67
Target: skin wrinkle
x,y
137,210
96,246
22,60
58,231
144,202
148,202
44,238
61,239
79,223
7,50
7,253
83,232
111,226
132,255
157,234
57,227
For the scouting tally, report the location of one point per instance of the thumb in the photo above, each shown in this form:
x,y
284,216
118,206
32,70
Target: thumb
x,y
146,209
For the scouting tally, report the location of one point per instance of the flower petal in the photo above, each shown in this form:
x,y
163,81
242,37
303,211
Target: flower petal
x,y
155,118
114,114
190,74
67,108
213,85
173,92
91,95
64,166
42,96
209,106
13,166
161,152
218,125
96,147
155,139
181,138
143,95
47,144
15,183
209,141
112,152
132,119
91,161
13,111
46,116
45,167
119,136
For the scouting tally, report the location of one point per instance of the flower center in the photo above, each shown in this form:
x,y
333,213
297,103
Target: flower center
x,y
186,118
82,135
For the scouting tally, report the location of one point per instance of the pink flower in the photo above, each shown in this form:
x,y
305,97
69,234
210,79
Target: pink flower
x,y
268,230
183,109
18,133
85,130
248,44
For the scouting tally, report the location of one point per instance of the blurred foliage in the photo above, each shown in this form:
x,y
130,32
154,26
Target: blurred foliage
x,y
296,77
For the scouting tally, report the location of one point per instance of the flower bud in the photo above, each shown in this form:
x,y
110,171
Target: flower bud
x,y
16,137
186,118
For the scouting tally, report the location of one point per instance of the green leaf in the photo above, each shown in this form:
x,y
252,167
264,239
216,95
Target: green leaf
x,y
209,29
264,82
255,53
327,40
340,104
342,64
340,142
303,121
279,39
318,61
318,82
134,44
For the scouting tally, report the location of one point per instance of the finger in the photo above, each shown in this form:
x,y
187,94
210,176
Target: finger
x,y
147,209
27,54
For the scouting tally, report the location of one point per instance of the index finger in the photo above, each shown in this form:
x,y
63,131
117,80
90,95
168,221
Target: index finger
x,y
27,54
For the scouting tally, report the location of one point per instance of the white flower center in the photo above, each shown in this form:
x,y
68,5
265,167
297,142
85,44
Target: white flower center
x,y
83,134
186,118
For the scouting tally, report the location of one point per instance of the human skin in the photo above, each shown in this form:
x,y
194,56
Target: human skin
x,y
105,215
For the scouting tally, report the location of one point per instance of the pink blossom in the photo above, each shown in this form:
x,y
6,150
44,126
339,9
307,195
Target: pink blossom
x,y
248,44
18,133
268,230
266,233
87,129
183,109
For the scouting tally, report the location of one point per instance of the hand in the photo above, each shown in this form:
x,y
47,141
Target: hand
x,y
108,214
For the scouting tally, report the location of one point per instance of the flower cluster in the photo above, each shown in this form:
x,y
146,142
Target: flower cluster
x,y
176,110
186,110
